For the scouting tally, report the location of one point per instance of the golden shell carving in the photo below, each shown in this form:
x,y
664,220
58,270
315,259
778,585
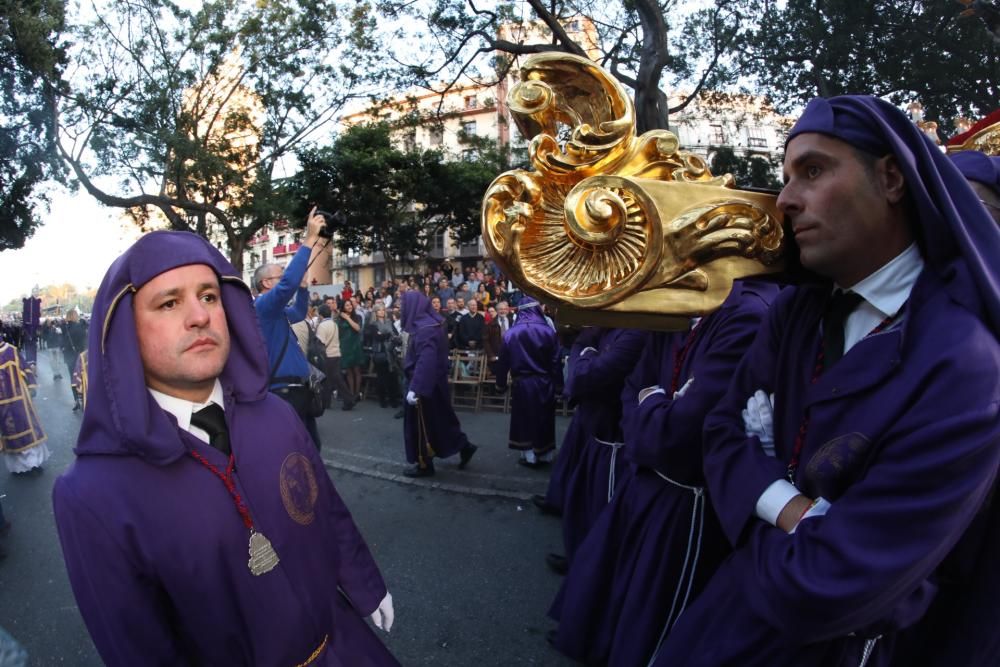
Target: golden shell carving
x,y
608,220
986,140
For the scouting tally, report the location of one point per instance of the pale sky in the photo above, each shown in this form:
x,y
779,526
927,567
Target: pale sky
x,y
75,244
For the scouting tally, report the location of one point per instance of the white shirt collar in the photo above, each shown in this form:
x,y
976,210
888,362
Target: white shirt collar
x,y
888,288
183,409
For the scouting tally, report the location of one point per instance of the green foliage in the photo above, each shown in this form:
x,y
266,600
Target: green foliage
x,y
753,171
389,200
193,110
30,61
897,50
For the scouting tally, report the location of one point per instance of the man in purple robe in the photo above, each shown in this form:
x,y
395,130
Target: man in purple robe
x,y
22,439
861,432
655,545
594,440
530,353
430,427
185,465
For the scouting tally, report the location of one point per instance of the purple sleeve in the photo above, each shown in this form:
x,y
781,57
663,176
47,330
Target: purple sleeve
x,y
427,368
595,371
669,432
124,609
887,534
358,575
28,370
736,468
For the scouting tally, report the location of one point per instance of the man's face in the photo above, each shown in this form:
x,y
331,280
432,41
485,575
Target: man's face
x,y
473,306
182,331
332,302
503,308
839,211
460,302
442,283
450,303
274,274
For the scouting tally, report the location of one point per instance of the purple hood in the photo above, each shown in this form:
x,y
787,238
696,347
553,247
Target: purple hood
x,y
121,416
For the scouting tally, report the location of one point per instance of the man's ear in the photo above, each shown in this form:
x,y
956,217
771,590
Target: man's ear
x,y
892,180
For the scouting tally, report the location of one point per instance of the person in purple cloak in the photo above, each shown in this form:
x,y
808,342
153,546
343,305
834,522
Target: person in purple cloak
x,y
594,440
430,427
960,626
22,438
530,353
655,545
983,173
185,466
861,434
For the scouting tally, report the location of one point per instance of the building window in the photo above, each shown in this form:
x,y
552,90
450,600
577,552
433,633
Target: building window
x,y
470,102
469,127
352,275
757,138
437,135
353,252
437,241
469,154
263,256
718,137
410,141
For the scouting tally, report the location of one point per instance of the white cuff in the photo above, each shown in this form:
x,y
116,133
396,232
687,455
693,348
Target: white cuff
x,y
649,391
774,499
587,349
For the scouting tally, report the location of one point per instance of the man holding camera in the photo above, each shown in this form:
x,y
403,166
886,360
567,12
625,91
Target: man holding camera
x,y
275,286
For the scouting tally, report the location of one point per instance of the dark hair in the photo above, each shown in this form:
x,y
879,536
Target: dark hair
x,y
324,311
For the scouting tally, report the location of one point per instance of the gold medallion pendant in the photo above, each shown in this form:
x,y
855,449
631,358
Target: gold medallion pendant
x,y
263,557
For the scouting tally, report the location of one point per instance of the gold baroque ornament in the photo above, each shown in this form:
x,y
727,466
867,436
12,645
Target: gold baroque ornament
x,y
986,140
612,227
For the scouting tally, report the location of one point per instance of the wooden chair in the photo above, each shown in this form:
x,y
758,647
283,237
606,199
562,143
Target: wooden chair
x,y
488,398
466,378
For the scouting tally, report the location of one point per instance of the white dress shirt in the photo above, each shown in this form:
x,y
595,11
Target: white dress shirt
x,y
183,409
884,293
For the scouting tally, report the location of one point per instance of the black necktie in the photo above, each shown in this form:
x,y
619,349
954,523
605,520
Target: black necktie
x,y
838,308
212,420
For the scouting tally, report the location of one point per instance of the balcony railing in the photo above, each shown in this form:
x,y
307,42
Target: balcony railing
x,y
280,250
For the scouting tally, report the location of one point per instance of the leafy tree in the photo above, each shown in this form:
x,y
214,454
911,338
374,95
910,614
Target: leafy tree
x,y
392,201
896,50
192,112
754,171
30,60
631,39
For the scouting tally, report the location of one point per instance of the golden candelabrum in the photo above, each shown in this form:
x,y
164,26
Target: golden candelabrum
x,y
612,228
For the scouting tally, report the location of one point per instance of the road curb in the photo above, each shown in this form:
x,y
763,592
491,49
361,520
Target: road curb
x,y
423,482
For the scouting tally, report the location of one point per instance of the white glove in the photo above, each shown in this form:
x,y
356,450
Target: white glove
x,y
384,615
683,390
758,419
649,391
411,398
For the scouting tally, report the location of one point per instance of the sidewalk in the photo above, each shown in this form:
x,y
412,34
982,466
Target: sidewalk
x,y
368,441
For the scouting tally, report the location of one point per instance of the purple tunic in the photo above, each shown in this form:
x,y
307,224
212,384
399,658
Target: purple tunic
x,y
154,545
20,429
903,439
431,428
530,353
597,382
568,453
655,546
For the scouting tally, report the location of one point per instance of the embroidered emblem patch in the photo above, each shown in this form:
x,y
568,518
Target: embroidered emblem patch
x,y
299,489
837,464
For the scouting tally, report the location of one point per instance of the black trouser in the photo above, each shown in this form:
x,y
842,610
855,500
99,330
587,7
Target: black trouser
x,y
70,359
386,383
335,380
298,397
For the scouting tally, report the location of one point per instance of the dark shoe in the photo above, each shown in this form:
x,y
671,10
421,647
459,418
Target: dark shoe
x,y
465,455
57,377
77,407
348,406
399,414
534,465
558,564
550,636
417,471
544,506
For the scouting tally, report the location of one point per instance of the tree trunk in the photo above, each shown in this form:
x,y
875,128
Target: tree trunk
x,y
650,103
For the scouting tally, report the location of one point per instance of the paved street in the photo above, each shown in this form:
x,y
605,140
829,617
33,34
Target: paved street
x,y
462,552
